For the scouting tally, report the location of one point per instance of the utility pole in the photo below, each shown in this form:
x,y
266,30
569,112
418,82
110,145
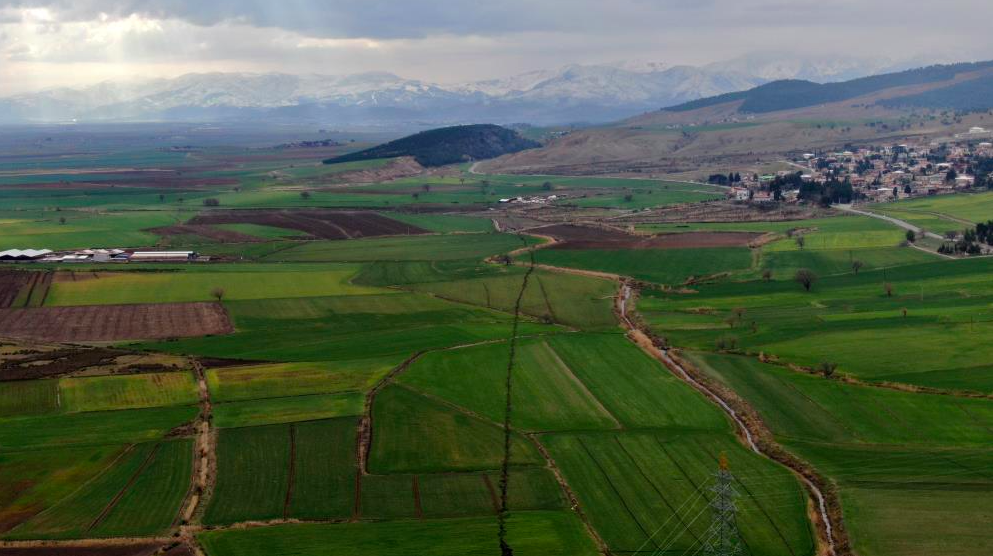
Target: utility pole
x,y
722,537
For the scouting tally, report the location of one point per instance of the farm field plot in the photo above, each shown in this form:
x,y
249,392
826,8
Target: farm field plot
x,y
11,284
646,491
92,428
433,248
31,481
666,266
138,494
419,272
82,229
107,323
28,397
851,321
324,469
531,534
296,379
287,409
105,393
973,207
415,434
253,282
445,223
913,468
632,386
253,474
576,301
319,329
547,396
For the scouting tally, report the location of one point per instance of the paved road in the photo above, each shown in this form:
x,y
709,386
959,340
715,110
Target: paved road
x,y
902,223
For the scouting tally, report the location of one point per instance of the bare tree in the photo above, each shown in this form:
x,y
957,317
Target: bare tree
x,y
305,195
739,312
767,275
217,293
857,266
801,242
827,368
888,288
805,277
62,220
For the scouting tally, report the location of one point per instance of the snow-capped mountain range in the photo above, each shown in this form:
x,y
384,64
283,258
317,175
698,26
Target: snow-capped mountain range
x,y
575,93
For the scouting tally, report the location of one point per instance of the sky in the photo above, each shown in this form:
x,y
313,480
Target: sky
x,y
54,43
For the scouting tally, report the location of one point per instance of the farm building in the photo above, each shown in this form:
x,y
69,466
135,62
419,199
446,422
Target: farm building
x,y
164,256
23,254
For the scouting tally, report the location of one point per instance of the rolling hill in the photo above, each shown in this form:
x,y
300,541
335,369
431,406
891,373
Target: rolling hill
x,y
761,125
448,145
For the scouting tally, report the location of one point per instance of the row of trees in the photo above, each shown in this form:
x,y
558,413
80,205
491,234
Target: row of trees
x,y
720,179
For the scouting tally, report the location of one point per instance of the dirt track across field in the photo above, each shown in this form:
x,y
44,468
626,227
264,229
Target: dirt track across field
x,y
317,223
105,323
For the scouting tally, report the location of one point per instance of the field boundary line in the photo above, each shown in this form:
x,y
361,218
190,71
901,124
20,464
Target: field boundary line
x,y
569,494
582,385
415,485
291,475
127,486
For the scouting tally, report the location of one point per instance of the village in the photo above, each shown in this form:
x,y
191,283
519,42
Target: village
x,y
875,174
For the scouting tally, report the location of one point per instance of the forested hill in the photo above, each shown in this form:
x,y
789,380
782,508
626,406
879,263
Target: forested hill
x,y
792,94
447,145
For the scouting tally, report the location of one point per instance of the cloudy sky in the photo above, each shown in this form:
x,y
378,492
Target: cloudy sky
x,y
46,43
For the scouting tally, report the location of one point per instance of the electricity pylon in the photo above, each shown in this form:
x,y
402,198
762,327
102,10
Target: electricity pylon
x,y
722,537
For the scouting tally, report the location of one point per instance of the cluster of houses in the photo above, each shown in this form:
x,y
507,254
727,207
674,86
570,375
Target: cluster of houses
x,y
537,200
882,173
99,256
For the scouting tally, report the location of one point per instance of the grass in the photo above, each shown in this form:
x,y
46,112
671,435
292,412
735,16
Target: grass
x,y
39,229
73,515
32,481
576,301
547,396
645,491
295,379
666,266
29,397
388,497
414,434
261,231
972,207
530,533
252,475
455,496
162,287
410,248
106,393
322,329
912,468
444,223
849,320
151,505
287,410
93,428
636,389
324,469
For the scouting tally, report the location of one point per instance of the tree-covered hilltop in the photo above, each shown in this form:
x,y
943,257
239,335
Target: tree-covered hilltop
x,y
447,145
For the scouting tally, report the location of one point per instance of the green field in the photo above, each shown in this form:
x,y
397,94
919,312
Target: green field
x,y
912,468
547,395
665,266
849,320
531,534
943,212
287,409
240,282
413,433
29,397
105,393
252,475
295,379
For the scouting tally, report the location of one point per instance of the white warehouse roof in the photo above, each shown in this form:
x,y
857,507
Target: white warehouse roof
x,y
24,253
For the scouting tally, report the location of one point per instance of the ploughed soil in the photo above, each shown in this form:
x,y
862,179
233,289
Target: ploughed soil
x,y
588,237
11,282
317,223
207,232
103,323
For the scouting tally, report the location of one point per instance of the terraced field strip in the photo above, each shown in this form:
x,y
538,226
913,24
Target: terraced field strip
x,y
117,497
